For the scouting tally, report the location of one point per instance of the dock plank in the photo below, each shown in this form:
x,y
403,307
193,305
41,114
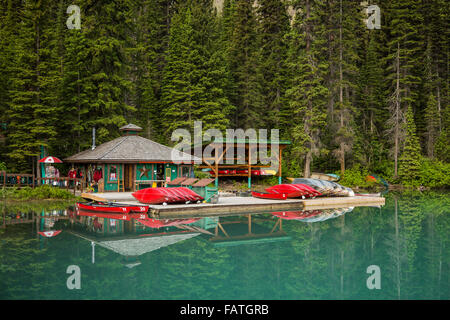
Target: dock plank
x,y
236,205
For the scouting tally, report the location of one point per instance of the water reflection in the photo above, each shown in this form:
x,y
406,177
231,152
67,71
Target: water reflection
x,y
308,254
135,235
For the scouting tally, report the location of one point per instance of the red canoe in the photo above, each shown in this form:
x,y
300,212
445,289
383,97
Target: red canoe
x,y
293,190
274,196
111,208
311,191
166,195
117,216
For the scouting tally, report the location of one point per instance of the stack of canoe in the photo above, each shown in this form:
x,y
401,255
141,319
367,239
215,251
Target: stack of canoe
x,y
305,188
326,188
163,195
284,191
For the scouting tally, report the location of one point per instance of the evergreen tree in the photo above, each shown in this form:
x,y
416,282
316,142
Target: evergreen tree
x,y
432,118
404,23
346,31
32,110
245,67
307,92
371,102
106,29
272,29
192,89
409,162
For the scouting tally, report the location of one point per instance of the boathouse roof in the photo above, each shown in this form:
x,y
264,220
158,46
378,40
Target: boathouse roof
x,y
131,148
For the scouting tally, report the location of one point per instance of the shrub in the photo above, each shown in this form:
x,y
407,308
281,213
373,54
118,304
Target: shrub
x,y
38,193
434,174
356,177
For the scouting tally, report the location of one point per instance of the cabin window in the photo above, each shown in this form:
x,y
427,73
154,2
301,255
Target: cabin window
x,y
185,171
160,171
113,173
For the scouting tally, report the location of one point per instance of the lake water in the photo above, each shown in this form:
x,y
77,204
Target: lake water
x,y
398,251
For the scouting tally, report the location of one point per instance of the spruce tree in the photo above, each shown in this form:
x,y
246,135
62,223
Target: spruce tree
x,y
432,118
245,64
409,162
346,34
272,29
192,89
307,93
403,25
32,110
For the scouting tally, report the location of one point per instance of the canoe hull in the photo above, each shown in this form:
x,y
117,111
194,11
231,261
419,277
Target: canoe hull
x,y
112,208
167,195
272,196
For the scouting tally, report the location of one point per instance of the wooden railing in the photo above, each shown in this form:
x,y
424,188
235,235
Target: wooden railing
x,y
17,179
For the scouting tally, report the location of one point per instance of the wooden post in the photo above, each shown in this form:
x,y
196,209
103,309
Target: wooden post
x,y
249,167
216,165
279,164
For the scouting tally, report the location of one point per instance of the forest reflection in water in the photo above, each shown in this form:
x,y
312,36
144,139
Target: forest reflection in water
x,y
317,254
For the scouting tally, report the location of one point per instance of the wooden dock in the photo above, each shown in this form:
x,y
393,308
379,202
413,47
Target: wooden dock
x,y
237,205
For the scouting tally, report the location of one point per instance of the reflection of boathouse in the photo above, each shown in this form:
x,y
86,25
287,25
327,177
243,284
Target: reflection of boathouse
x,y
131,238
130,162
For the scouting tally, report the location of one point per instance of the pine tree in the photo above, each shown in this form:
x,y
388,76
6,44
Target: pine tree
x,y
346,31
409,162
32,111
404,21
432,118
272,29
192,89
245,64
146,56
307,92
371,102
106,26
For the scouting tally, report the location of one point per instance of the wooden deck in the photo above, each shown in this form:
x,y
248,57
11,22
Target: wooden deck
x,y
237,205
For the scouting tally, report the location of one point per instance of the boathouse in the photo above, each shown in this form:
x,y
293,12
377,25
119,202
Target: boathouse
x,y
131,162
247,163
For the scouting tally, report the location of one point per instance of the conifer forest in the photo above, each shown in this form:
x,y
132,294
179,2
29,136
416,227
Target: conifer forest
x,y
352,99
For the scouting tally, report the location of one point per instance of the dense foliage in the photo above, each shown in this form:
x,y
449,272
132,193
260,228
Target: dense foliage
x,y
38,193
344,94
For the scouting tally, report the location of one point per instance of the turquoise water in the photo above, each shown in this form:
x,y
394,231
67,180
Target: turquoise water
x,y
259,256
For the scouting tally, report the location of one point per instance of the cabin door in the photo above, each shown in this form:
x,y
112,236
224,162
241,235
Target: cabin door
x,y
128,177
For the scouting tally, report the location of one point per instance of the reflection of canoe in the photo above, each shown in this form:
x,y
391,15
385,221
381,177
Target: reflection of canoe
x,y
327,214
167,195
116,216
50,233
157,223
296,215
111,208
274,196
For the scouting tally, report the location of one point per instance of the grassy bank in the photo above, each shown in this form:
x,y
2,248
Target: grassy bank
x,y
39,193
